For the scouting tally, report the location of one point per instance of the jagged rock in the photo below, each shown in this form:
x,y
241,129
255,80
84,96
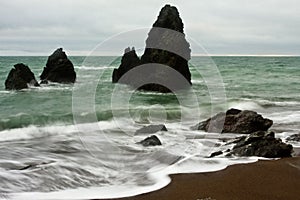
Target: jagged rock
x,y
295,137
165,60
129,61
235,121
214,154
20,77
58,68
150,141
152,129
262,144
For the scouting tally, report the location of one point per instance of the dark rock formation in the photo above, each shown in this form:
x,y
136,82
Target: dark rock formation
x,y
129,61
165,60
150,141
262,144
58,68
295,137
152,129
19,77
235,121
214,154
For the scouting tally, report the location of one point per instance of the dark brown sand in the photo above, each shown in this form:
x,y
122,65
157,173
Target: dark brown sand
x,y
263,180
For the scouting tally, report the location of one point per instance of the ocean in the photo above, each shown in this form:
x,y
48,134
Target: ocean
x,y
78,141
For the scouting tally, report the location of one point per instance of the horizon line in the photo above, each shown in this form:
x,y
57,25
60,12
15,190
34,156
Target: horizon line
x,y
193,55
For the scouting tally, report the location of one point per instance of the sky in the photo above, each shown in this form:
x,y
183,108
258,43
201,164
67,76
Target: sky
x,y
231,27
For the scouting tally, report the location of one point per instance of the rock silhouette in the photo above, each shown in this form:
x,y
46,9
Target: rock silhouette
x,y
20,77
152,129
262,144
235,121
58,68
129,61
164,64
150,141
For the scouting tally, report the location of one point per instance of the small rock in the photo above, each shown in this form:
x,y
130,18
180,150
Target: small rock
x,y
44,82
150,141
217,153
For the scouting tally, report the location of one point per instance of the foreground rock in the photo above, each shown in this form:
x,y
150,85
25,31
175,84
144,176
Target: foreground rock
x,y
262,144
235,121
164,65
58,68
152,129
150,141
20,77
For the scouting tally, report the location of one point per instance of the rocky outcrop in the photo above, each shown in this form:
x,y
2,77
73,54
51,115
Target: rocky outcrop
x,y
20,77
151,129
235,121
214,154
165,60
58,68
129,61
261,144
150,141
295,138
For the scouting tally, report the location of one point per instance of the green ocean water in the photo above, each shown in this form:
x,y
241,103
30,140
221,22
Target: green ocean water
x,y
266,84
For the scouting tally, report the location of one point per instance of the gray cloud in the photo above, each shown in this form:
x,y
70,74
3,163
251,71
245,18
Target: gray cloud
x,y
222,27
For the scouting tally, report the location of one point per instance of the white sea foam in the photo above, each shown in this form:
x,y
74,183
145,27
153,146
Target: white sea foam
x,y
94,67
178,142
246,105
160,178
286,117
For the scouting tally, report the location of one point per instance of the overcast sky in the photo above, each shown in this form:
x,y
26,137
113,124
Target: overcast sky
x,y
259,27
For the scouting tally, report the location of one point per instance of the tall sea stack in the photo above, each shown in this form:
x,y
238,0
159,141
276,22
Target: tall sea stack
x,y
164,65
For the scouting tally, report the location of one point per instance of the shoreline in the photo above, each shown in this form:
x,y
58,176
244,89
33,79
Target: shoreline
x,y
265,179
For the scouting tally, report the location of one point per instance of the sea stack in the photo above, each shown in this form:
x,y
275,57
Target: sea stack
x,y
164,65
58,68
20,77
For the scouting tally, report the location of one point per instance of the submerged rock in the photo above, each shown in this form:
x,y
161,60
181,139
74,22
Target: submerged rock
x,y
262,144
58,68
150,141
20,77
235,121
295,137
164,64
152,129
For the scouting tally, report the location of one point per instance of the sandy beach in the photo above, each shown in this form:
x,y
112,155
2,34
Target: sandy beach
x,y
276,179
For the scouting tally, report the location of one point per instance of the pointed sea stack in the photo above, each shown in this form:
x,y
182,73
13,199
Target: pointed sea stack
x,y
20,77
129,61
164,65
58,68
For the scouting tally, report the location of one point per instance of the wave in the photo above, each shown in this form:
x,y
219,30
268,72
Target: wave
x,y
159,179
285,117
93,67
245,105
57,150
259,104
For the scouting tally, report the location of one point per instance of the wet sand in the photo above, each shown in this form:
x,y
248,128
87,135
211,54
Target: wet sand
x,y
263,180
